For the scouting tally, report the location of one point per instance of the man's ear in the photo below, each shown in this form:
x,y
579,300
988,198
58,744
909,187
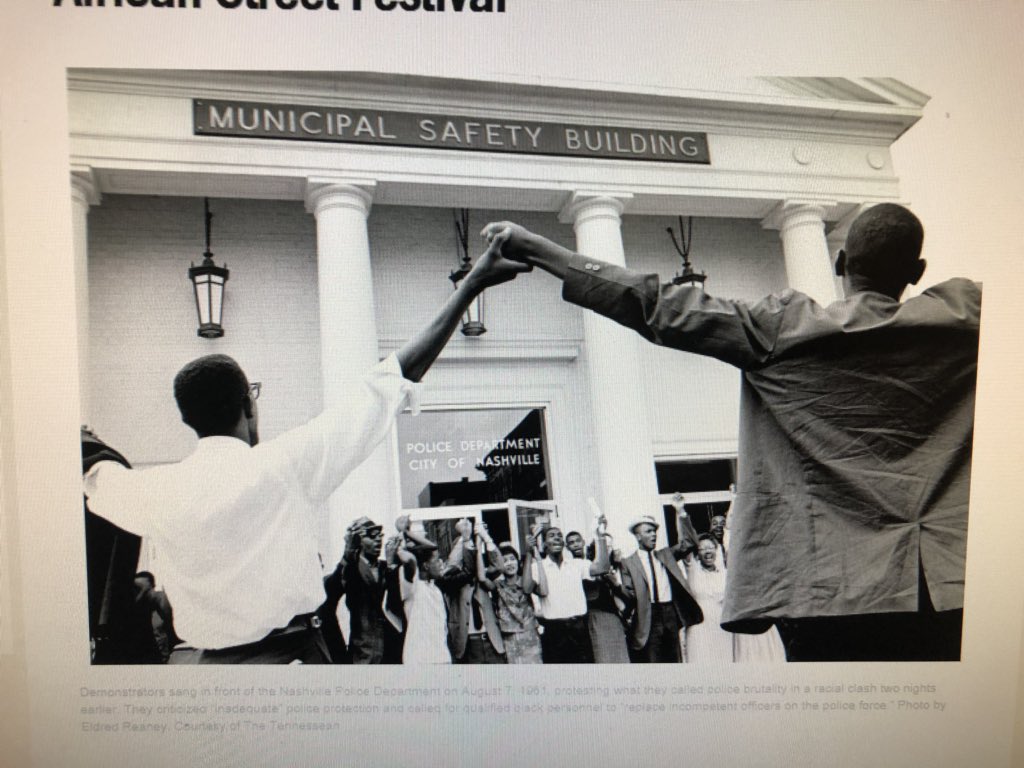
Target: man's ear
x,y
915,271
840,263
247,406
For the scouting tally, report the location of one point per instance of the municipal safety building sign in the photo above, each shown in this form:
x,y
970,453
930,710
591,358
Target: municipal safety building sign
x,y
475,134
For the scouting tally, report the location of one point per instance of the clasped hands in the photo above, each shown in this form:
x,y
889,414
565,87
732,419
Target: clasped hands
x,y
509,248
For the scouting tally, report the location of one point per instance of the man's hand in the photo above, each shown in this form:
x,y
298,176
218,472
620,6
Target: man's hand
x,y
523,246
391,549
484,533
351,539
518,243
465,529
492,268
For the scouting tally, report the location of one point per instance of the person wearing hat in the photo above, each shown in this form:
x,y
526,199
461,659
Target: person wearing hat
x,y
236,522
657,591
372,595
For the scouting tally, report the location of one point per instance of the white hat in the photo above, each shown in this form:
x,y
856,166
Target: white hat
x,y
640,520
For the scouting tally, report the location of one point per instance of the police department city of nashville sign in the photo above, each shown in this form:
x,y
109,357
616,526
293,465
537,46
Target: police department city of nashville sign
x,y
475,134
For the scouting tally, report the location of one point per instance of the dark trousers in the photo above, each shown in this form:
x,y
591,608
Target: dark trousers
x,y
302,643
479,650
566,641
923,635
663,641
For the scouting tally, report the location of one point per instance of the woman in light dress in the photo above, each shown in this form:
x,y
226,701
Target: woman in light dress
x,y
426,618
707,642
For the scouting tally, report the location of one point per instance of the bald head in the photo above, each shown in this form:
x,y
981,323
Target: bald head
x,y
883,250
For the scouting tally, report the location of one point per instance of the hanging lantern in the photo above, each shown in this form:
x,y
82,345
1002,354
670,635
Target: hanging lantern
x,y
688,276
473,319
208,283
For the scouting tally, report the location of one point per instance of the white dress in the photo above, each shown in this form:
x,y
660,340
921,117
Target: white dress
x,y
707,642
426,634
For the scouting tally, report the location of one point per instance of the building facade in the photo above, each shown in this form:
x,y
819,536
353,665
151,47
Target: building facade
x,y
334,199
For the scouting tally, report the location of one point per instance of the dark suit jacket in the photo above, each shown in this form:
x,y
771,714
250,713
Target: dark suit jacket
x,y
111,557
856,422
461,592
634,585
369,590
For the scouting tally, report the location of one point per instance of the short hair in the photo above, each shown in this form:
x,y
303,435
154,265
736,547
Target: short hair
x,y
146,575
883,241
573,533
507,549
424,555
211,393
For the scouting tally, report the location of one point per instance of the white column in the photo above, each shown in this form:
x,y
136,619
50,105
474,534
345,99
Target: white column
x,y
84,193
348,341
622,440
809,270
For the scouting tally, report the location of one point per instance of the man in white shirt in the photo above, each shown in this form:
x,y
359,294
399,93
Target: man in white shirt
x,y
566,638
236,522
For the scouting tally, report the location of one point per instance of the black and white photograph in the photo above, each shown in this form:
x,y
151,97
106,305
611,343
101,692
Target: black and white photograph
x,y
397,369
537,382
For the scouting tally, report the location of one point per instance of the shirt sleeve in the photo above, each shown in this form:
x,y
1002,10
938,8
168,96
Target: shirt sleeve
x,y
119,495
323,452
678,316
584,566
408,586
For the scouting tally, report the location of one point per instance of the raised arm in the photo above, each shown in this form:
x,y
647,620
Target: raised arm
x,y
538,586
601,564
404,527
520,244
677,316
418,354
688,536
481,566
399,557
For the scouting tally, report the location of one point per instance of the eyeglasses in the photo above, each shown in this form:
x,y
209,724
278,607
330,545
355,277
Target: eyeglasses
x,y
254,390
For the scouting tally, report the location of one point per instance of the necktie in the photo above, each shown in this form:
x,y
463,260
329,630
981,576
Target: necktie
x,y
654,577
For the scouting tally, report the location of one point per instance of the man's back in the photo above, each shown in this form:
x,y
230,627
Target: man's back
x,y
855,435
236,526
856,423
856,444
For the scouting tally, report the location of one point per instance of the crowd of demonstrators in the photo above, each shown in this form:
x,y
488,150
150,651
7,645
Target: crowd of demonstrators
x,y
856,426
